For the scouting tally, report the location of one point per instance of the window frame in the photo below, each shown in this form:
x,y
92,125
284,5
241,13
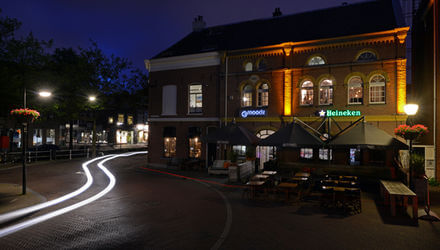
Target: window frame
x,y
361,87
309,62
307,89
263,91
327,89
377,84
195,110
246,94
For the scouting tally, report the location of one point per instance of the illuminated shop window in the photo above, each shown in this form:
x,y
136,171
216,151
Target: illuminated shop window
x,y
316,60
306,153
246,99
240,150
355,90
195,144
366,56
324,154
248,67
306,93
377,89
130,120
355,156
169,142
110,120
263,95
195,98
326,92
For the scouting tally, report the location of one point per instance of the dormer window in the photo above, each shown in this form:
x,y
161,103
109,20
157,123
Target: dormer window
x,y
316,60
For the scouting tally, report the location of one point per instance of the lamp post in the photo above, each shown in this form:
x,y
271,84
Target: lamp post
x,y
410,110
44,94
92,99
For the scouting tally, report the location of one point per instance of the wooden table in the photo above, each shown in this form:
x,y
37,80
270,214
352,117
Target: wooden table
x,y
254,185
302,174
391,190
259,177
287,186
269,172
299,178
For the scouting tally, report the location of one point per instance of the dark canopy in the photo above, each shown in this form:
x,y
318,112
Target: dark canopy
x,y
233,135
292,135
365,135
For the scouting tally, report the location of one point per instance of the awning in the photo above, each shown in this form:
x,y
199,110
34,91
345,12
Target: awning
x,y
232,134
292,135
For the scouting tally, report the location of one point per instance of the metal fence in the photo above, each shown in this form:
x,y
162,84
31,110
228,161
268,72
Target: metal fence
x,y
35,156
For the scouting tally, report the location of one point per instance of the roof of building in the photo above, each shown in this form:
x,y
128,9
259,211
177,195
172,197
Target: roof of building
x,y
351,19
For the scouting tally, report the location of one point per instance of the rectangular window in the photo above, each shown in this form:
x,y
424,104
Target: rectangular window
x,y
239,150
169,141
326,96
50,136
120,119
306,153
130,120
324,154
195,98
195,144
377,93
355,156
355,95
169,100
306,96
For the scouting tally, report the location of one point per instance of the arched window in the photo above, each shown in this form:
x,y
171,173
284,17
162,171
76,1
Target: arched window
x,y
355,90
306,93
316,60
377,89
262,65
248,67
263,95
366,56
326,92
246,96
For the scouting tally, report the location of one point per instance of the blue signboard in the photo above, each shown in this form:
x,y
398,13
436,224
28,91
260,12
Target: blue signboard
x,y
252,113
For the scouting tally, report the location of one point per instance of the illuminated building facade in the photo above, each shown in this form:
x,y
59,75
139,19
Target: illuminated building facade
x,y
262,73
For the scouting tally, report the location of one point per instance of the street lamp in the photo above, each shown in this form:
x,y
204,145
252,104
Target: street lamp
x,y
92,99
410,110
44,94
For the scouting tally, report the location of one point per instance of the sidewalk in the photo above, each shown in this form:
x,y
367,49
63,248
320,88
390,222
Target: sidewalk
x,y
11,197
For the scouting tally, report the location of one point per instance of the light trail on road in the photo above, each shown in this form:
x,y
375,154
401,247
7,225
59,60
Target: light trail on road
x,y
31,222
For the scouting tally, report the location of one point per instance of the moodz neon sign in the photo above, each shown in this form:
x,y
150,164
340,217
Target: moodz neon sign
x,y
252,113
331,113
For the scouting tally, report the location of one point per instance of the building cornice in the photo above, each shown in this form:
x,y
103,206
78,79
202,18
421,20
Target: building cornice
x,y
183,62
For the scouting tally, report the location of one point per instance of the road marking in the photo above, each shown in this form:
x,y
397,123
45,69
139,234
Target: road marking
x,y
31,222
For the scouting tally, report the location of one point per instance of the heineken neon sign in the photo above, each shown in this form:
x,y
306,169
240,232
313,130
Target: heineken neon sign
x,y
331,113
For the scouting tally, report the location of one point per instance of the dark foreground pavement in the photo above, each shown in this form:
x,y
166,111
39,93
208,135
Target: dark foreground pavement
x,y
152,210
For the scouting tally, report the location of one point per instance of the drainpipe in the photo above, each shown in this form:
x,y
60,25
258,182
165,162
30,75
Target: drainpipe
x,y
226,91
435,48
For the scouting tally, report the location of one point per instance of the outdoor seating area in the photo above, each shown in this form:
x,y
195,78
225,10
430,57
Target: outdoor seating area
x,y
341,193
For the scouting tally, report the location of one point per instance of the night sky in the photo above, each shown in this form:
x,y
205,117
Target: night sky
x,y
139,29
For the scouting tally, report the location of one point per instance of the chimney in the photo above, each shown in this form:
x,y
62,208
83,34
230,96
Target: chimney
x,y
198,24
277,12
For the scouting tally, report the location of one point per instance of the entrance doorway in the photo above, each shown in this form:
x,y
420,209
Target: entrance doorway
x,y
265,153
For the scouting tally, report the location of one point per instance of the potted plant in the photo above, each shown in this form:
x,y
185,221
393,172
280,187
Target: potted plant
x,y
418,164
25,115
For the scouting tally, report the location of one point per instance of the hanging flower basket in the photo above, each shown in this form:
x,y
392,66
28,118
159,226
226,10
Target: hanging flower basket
x,y
25,115
410,132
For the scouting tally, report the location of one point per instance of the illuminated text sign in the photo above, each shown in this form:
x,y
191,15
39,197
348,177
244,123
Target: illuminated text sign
x,y
252,113
330,113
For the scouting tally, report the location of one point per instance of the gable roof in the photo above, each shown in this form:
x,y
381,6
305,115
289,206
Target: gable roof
x,y
352,19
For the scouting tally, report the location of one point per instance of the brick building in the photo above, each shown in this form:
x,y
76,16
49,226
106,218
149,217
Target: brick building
x,y
262,73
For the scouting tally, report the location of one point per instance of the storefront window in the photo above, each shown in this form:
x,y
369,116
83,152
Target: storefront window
x,y
306,97
169,141
324,154
306,153
247,96
130,120
355,156
326,92
377,89
195,144
195,98
355,90
37,138
50,136
121,119
263,95
240,150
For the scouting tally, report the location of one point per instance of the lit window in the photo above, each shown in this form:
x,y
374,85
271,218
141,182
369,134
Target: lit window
x,y
367,57
248,67
355,156
130,120
195,144
110,120
377,89
240,150
324,154
306,153
195,98
120,118
246,96
316,60
263,95
355,90
306,93
169,141
326,92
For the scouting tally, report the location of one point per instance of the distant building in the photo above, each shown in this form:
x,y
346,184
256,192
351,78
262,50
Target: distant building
x,y
262,73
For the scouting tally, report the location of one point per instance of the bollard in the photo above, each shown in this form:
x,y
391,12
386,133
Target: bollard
x,y
70,154
50,154
87,153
